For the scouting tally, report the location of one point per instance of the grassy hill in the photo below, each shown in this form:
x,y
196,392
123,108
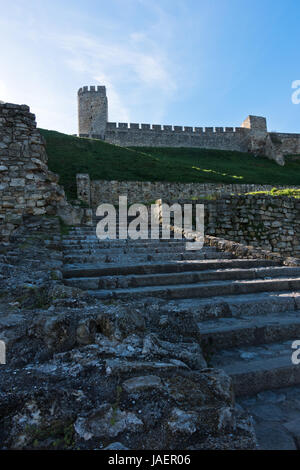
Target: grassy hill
x,y
70,155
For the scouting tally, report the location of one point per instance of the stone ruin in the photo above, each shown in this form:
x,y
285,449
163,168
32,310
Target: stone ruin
x,y
27,187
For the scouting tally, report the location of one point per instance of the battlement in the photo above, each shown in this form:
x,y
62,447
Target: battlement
x,y
156,135
93,123
121,126
92,89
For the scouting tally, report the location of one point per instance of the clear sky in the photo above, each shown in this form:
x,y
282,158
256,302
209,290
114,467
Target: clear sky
x,y
180,62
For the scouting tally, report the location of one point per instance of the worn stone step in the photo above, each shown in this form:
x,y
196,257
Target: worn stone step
x,y
91,241
96,270
234,306
257,368
127,249
188,277
202,289
142,257
92,234
94,228
249,330
83,243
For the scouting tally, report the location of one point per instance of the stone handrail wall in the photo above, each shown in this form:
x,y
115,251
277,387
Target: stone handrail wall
x,y
270,223
249,252
267,223
253,226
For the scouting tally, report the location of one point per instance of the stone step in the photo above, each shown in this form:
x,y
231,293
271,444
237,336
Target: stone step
x,y
257,368
93,228
100,244
93,240
109,269
188,277
141,257
234,306
249,330
127,249
202,289
92,233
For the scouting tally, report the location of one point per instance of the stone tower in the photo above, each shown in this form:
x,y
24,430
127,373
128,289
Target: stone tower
x,y
92,111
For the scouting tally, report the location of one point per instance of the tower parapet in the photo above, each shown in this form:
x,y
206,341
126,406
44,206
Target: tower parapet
x,y
92,111
257,123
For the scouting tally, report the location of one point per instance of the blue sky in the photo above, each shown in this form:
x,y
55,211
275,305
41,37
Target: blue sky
x,y
180,62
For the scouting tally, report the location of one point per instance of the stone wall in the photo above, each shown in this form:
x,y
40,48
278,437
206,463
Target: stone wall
x,y
268,222
253,224
145,135
290,143
27,187
241,251
102,191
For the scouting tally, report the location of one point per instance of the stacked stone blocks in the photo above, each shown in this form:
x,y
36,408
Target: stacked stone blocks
x,y
27,187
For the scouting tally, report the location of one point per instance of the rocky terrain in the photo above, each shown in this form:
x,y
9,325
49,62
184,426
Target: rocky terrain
x,y
89,373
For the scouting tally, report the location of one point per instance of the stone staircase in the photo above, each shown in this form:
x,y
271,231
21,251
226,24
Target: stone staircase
x,y
248,311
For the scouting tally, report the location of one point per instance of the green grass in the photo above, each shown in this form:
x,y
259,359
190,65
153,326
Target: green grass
x,y
290,192
70,155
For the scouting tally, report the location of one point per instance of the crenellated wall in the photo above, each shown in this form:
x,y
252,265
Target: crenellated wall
x,y
132,134
252,136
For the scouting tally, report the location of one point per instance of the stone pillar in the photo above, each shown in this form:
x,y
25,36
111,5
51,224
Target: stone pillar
x,y
84,187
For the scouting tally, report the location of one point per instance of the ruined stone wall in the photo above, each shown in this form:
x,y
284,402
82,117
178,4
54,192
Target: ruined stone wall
x,y
27,187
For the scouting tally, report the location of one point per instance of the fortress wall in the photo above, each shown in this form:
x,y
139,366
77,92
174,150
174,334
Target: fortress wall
x,y
290,142
145,135
252,136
